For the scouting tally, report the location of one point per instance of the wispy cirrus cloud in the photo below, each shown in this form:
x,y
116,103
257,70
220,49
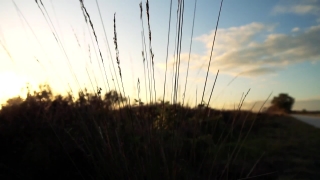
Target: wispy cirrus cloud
x,y
299,7
259,71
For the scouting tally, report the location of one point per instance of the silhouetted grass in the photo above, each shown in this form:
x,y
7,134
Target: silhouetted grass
x,y
105,136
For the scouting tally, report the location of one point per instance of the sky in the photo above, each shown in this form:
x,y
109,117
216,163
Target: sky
x,y
262,46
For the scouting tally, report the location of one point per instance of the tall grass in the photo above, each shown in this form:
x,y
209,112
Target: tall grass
x,y
106,136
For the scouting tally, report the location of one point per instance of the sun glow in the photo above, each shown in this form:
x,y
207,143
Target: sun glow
x,y
12,85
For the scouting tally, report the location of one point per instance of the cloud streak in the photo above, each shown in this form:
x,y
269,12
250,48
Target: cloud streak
x,y
296,29
254,50
298,7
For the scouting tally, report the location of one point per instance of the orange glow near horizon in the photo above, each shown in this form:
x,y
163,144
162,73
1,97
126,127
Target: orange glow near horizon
x,y
12,85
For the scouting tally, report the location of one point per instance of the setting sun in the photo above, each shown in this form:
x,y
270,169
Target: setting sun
x,y
12,85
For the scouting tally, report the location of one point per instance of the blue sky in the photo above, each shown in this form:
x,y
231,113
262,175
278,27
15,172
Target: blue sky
x,y
269,46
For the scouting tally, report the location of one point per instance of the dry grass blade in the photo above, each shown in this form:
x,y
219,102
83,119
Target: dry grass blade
x,y
108,47
53,31
6,50
151,52
214,38
174,55
38,41
145,56
85,12
186,81
248,175
115,40
74,33
167,54
231,133
214,84
178,53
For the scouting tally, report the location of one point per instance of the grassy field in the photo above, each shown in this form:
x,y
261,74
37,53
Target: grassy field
x,y
105,136
86,138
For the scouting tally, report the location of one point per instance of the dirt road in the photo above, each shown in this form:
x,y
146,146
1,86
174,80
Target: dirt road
x,y
312,120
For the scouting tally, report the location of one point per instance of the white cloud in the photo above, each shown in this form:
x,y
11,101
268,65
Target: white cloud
x,y
296,29
299,7
258,71
253,50
303,9
234,37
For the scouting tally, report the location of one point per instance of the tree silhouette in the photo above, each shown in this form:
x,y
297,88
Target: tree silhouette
x,y
282,102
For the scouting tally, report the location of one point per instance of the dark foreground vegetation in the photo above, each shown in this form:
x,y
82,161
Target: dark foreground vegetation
x,y
90,137
98,136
